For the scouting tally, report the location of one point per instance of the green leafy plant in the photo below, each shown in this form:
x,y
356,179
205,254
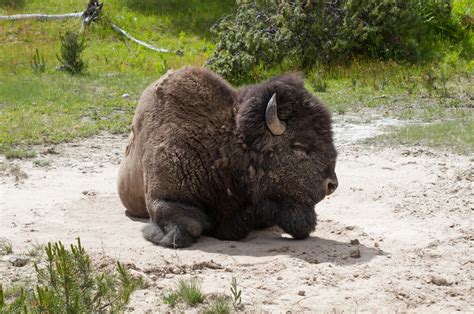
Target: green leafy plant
x,y
72,45
69,283
38,64
236,294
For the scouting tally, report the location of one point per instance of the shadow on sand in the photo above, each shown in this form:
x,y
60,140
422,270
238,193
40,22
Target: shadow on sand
x,y
271,242
313,250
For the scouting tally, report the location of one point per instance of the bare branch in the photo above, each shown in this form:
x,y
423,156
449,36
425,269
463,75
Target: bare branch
x,y
41,17
124,33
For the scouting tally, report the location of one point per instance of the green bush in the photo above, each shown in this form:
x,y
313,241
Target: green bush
x,y
72,45
70,284
319,31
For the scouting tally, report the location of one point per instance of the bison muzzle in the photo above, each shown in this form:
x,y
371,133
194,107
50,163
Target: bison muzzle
x,y
205,158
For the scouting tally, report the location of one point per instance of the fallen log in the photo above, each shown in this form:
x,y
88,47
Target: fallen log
x,y
41,17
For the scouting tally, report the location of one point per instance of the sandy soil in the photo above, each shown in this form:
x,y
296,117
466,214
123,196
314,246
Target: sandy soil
x,y
408,213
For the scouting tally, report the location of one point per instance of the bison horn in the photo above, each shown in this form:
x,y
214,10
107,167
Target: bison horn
x,y
276,126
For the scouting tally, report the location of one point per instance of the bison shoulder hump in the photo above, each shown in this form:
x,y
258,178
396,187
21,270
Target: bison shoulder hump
x,y
192,85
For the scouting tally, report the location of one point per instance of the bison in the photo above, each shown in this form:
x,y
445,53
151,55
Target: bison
x,y
205,158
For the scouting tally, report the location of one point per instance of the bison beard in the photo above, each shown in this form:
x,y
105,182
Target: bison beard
x,y
204,158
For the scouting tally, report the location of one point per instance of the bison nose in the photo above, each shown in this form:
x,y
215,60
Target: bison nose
x,y
331,185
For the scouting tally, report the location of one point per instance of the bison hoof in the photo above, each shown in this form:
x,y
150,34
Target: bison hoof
x,y
170,235
300,236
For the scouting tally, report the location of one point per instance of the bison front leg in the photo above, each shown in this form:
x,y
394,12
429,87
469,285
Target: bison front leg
x,y
174,224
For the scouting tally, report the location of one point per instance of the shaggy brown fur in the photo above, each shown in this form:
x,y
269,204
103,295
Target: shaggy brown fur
x,y
201,159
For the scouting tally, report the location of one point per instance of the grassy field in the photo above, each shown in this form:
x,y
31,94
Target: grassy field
x,y
53,107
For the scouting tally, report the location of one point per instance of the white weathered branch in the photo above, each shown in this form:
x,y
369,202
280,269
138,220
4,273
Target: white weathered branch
x,y
124,33
41,16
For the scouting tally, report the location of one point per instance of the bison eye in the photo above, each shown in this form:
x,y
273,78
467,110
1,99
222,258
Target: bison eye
x,y
299,149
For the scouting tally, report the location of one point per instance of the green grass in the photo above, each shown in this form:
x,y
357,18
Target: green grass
x,y
220,305
5,247
455,135
42,163
19,153
171,298
59,108
7,168
190,292
35,250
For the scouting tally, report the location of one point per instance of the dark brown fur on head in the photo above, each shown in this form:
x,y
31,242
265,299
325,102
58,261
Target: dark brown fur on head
x,y
208,163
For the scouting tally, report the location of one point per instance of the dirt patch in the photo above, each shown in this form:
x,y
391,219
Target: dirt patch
x,y
396,235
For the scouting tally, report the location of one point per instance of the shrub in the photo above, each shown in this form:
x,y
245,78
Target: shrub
x,y
70,284
72,45
310,32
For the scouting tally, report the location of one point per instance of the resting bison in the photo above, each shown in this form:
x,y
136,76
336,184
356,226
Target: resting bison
x,y
205,158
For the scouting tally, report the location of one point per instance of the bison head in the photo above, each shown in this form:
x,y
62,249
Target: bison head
x,y
287,132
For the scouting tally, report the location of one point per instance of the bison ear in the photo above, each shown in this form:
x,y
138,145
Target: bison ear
x,y
274,124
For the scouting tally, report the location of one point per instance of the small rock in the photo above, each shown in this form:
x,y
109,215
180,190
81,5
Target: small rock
x,y
355,242
88,193
126,96
51,151
355,253
18,261
350,227
279,278
301,293
376,244
440,281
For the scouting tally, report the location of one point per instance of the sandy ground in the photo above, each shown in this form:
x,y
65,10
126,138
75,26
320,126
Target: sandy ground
x,y
407,211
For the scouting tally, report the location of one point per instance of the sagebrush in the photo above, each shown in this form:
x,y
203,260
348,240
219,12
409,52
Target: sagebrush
x,y
309,32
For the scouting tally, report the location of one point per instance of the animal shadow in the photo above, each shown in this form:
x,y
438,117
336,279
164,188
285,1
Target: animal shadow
x,y
270,242
313,250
